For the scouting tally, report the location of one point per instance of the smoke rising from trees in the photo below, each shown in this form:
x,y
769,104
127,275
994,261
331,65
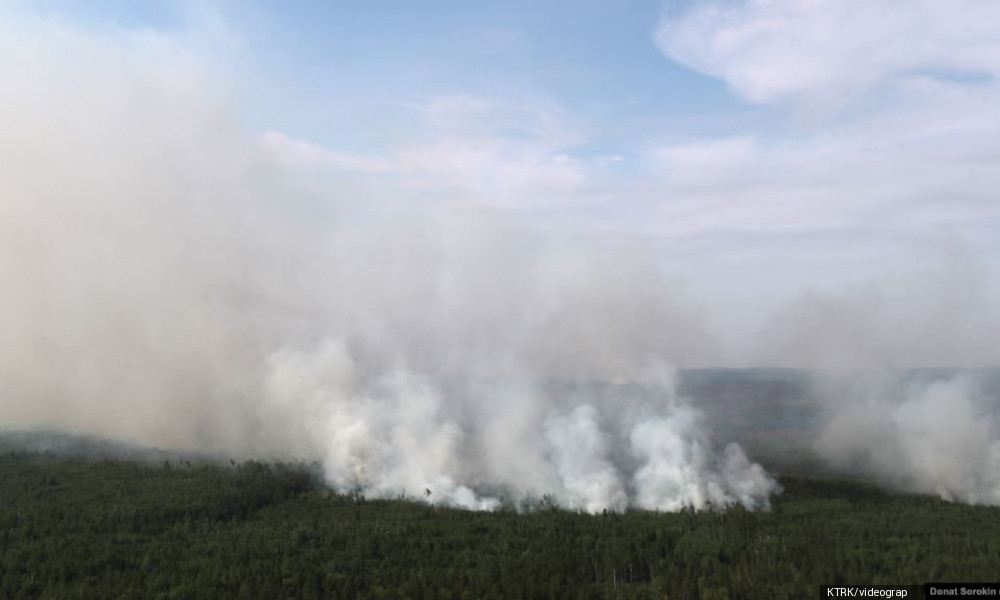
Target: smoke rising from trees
x,y
169,280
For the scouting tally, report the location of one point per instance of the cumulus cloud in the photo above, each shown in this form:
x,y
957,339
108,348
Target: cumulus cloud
x,y
920,148
919,151
773,51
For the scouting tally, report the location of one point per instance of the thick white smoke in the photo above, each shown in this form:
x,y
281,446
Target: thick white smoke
x,y
167,281
397,432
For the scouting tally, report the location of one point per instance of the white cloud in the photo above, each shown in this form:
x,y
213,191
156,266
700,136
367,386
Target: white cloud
x,y
511,153
697,162
891,139
470,149
770,50
301,153
919,152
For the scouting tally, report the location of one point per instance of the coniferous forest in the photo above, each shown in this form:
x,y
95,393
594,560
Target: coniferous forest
x,y
75,528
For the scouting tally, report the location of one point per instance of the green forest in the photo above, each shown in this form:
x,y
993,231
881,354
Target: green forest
x,y
76,528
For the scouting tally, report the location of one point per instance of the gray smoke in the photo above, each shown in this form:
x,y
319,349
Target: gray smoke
x,y
167,281
930,430
939,436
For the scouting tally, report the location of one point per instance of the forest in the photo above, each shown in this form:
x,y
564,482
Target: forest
x,y
116,528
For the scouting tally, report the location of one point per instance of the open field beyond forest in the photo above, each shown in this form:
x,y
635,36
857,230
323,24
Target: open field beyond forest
x,y
73,528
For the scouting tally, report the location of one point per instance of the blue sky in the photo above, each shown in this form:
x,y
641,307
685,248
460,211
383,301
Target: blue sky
x,y
327,70
765,152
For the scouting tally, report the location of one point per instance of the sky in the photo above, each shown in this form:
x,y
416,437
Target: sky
x,y
803,166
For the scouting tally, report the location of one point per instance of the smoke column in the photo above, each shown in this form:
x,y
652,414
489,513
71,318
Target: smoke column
x,y
167,281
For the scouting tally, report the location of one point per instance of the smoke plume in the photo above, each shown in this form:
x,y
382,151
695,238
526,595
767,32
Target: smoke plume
x,y
930,429
934,435
168,280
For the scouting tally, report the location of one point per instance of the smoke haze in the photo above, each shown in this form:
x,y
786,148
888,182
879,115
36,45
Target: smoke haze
x,y
936,436
171,279
168,283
